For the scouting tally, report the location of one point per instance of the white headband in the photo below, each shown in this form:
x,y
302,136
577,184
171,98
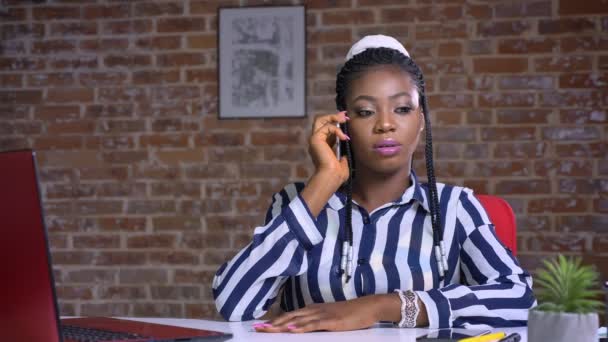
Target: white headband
x,y
375,41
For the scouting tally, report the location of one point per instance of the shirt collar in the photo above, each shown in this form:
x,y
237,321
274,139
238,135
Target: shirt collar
x,y
416,192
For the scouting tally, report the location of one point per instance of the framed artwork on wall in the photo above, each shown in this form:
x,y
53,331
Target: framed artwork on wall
x,y
262,62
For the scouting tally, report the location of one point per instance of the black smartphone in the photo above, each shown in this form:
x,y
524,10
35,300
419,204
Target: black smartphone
x,y
338,147
450,334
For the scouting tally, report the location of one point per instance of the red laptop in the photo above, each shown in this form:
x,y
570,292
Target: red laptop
x,y
28,305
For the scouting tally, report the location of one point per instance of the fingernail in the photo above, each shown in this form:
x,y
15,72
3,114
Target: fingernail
x,y
347,118
291,327
267,325
257,325
347,137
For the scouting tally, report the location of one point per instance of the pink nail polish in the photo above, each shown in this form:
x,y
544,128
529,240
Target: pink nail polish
x,y
267,325
291,327
347,137
257,325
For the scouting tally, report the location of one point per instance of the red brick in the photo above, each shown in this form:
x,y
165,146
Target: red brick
x,y
157,9
18,128
176,93
11,80
502,28
500,65
238,223
202,75
70,95
579,186
53,47
582,150
127,60
583,43
91,276
557,205
559,242
127,27
125,157
501,168
159,43
74,292
174,258
578,98
436,13
508,133
441,31
276,137
14,48
450,49
21,63
74,63
104,45
479,117
523,9
523,116
399,32
56,12
91,79
456,134
526,82
203,41
476,151
172,140
72,258
71,127
527,46
569,7
448,117
600,205
494,100
563,63
451,101
107,309
130,224
21,97
333,52
14,14
528,186
478,11
122,94
181,59
571,133
265,170
51,79
172,25
157,310
105,190
585,80
603,62
581,116
142,276
565,25
374,3
18,31
107,11
96,241
156,77
525,150
58,143
122,292
328,35
177,223
73,29
151,241
344,17
575,168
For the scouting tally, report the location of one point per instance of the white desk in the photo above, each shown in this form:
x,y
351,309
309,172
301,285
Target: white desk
x,y
242,331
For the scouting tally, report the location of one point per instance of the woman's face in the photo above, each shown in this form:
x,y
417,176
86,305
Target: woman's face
x,y
386,121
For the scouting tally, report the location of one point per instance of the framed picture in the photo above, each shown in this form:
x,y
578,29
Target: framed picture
x,y
262,57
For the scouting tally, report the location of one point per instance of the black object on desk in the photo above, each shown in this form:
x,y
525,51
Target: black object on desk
x,y
514,337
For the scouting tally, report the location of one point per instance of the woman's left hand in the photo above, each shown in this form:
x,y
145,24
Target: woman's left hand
x,y
352,314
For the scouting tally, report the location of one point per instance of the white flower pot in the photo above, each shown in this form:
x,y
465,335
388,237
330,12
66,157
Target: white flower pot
x,y
562,327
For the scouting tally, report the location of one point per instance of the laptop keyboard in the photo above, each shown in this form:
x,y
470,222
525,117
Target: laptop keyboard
x,y
92,335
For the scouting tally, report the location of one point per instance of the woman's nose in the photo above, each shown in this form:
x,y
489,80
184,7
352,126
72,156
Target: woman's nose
x,y
384,122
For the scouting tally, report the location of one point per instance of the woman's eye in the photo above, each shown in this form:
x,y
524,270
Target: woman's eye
x,y
364,112
403,110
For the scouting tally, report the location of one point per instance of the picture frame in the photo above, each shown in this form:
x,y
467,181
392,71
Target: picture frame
x,y
262,62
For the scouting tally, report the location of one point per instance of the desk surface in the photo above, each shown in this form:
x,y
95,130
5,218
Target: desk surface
x,y
242,331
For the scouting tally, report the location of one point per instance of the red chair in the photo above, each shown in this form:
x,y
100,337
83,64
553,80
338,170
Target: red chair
x,y
502,216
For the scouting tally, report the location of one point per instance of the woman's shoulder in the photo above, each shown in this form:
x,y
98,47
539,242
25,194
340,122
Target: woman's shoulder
x,y
452,192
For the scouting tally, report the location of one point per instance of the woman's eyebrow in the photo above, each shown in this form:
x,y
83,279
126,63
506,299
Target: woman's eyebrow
x,y
373,99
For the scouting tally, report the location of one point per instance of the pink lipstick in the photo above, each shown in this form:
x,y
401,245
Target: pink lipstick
x,y
387,147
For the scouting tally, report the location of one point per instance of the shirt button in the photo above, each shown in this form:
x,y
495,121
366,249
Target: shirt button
x,y
366,220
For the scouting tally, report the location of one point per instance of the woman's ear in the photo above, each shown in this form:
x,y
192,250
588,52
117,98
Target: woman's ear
x,y
421,121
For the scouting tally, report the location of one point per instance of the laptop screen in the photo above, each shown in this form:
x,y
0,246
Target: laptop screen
x,y
29,311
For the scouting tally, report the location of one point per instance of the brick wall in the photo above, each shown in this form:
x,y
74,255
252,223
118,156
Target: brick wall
x,y
146,192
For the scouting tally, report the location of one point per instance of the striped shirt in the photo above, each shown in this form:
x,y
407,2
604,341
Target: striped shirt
x,y
297,257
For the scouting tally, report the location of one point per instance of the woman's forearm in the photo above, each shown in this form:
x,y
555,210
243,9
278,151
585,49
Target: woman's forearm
x,y
318,191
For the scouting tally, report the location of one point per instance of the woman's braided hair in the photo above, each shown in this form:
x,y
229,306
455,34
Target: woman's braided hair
x,y
352,69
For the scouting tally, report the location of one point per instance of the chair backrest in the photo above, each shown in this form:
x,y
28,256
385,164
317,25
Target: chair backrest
x,y
502,216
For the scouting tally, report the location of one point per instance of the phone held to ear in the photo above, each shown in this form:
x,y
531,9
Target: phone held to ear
x,y
337,148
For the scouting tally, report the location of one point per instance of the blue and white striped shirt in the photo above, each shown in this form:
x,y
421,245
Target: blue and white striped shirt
x,y
392,248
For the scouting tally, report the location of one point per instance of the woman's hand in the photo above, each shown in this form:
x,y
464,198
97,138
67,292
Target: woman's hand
x,y
352,314
321,142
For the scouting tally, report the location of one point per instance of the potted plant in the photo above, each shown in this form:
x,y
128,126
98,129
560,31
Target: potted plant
x,y
567,309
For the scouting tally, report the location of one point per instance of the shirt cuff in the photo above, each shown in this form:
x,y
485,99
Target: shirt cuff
x,y
437,308
302,223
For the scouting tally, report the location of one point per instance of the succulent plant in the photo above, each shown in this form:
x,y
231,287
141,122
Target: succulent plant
x,y
567,286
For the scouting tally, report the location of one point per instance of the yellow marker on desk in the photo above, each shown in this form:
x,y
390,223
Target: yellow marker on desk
x,y
484,338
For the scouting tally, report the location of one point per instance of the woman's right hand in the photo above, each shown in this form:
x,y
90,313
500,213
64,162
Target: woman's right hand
x,y
321,143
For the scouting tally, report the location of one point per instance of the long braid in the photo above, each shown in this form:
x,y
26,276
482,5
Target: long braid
x,y
349,71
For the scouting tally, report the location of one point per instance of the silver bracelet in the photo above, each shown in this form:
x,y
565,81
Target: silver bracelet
x,y
409,308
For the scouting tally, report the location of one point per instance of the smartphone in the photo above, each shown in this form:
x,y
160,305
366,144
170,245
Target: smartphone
x,y
451,334
337,148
